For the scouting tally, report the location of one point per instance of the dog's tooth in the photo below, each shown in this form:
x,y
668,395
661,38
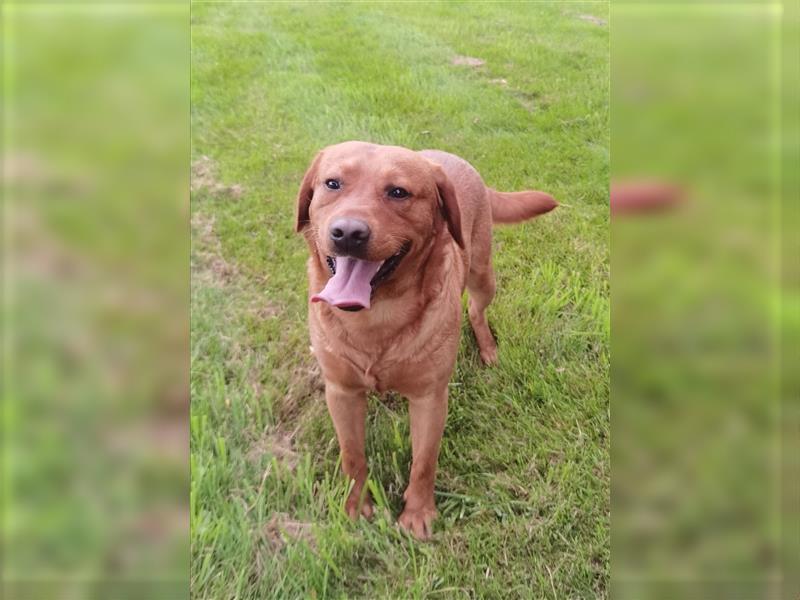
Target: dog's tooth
x,y
331,264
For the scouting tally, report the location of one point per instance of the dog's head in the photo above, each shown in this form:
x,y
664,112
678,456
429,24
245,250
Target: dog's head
x,y
366,211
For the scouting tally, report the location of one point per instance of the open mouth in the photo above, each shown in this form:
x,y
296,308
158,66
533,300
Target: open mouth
x,y
353,280
384,272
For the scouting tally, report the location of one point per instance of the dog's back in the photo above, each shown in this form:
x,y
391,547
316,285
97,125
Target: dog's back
x,y
481,206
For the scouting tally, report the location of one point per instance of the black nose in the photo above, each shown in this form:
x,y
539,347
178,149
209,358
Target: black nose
x,y
349,236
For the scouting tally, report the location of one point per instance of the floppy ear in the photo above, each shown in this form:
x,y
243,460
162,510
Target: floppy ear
x,y
306,193
448,203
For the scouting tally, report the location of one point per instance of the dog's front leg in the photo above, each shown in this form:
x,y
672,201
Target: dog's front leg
x,y
427,414
348,409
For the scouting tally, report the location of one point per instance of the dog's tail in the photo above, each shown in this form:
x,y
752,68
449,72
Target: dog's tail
x,y
513,207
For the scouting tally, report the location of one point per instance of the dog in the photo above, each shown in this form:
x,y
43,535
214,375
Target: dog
x,y
395,236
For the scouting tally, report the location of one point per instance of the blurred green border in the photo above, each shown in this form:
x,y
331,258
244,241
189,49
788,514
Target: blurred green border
x,y
98,159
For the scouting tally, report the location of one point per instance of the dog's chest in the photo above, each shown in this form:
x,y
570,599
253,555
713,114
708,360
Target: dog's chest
x,y
405,374
407,363
391,348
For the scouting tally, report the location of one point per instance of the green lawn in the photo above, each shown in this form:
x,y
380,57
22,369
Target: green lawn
x,y
523,485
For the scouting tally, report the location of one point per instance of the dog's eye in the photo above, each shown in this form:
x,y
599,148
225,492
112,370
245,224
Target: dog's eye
x,y
332,184
398,193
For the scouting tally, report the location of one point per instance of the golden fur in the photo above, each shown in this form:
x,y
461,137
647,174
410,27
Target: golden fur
x,y
408,339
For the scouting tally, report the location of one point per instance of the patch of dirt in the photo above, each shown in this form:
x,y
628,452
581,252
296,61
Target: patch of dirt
x,y
468,61
305,384
263,310
530,101
204,177
167,438
592,19
208,265
162,523
23,168
278,444
281,530
393,401
555,458
39,252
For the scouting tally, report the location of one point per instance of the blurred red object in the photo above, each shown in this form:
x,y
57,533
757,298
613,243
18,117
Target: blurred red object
x,y
644,196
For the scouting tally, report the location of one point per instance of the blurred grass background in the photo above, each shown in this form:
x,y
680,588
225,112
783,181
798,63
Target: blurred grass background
x,y
95,304
704,496
95,301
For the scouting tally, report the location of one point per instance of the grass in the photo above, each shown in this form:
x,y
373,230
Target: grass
x,y
523,484
94,302
697,313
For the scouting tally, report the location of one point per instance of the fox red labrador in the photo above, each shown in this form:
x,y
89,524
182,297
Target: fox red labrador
x,y
395,236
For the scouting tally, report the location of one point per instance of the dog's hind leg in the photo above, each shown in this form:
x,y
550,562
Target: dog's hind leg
x,y
481,287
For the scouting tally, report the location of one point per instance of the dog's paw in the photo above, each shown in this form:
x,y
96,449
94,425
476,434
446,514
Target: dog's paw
x,y
418,522
489,355
353,509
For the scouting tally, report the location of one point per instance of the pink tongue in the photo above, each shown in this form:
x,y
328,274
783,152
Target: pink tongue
x,y
350,285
